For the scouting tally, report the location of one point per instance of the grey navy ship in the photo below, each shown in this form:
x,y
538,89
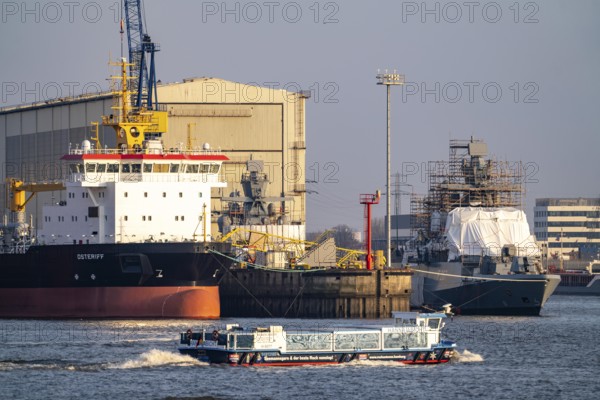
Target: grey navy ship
x,y
472,248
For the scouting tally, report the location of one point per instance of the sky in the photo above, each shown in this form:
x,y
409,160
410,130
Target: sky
x,y
521,75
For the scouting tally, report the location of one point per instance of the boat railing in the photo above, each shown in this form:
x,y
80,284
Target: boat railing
x,y
175,151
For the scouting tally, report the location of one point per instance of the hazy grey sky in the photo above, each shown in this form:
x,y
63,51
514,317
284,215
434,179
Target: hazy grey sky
x,y
521,75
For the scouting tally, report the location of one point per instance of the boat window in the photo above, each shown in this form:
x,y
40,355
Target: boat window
x,y
222,340
113,168
136,168
192,169
214,168
126,168
204,168
434,323
101,168
245,341
76,168
395,340
90,167
147,168
308,342
174,168
161,168
350,341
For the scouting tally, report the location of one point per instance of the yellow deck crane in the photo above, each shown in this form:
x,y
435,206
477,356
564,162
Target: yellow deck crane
x,y
17,189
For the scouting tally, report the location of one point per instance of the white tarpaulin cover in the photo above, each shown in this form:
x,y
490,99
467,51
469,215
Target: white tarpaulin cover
x,y
484,231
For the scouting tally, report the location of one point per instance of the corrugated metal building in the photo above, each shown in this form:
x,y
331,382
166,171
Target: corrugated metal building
x,y
241,120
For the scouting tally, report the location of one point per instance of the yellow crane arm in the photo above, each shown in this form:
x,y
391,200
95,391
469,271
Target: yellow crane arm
x,y
18,189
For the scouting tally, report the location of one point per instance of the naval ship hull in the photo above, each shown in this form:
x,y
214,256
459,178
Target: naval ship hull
x,y
515,294
134,280
576,284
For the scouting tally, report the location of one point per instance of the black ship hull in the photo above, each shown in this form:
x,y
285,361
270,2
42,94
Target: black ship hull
x,y
134,280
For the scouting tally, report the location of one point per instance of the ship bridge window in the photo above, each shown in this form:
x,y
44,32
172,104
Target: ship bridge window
x,y
136,168
76,168
433,323
114,168
192,169
174,168
214,168
126,168
101,168
161,168
90,167
147,168
244,341
204,168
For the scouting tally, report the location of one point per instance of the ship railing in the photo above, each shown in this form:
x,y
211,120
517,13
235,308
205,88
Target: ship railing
x,y
106,151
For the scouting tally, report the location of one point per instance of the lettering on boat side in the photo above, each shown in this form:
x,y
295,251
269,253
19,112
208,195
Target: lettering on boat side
x,y
90,256
386,357
300,358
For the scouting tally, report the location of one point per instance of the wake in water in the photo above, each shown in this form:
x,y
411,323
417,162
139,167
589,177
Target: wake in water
x,y
150,359
466,356
157,358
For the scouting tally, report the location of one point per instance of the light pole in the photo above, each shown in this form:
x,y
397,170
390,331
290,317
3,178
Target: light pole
x,y
388,80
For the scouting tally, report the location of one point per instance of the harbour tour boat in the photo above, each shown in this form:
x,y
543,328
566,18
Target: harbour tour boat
x,y
413,338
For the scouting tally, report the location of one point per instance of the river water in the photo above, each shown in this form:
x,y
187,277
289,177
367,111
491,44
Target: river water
x,y
554,356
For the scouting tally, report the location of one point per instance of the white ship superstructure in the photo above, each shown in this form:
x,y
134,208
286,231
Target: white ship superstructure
x,y
140,195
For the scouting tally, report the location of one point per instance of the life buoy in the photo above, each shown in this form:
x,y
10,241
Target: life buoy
x,y
215,335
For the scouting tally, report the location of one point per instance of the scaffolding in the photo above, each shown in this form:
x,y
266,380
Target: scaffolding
x,y
468,179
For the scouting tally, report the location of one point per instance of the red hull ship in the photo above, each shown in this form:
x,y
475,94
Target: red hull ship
x,y
132,237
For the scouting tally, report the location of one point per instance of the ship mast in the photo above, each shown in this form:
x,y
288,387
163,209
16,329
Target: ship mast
x,y
132,125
